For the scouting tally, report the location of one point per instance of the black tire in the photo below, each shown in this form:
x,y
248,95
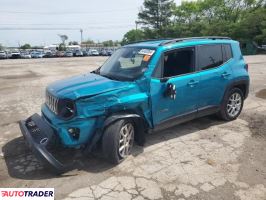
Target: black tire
x,y
224,113
111,141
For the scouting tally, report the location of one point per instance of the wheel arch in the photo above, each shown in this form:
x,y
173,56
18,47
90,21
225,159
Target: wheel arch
x,y
242,84
140,123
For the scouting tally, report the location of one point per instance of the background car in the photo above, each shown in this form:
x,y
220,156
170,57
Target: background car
x,y
78,53
25,55
48,54
68,54
93,52
8,54
85,53
3,55
15,55
109,52
60,54
36,54
103,52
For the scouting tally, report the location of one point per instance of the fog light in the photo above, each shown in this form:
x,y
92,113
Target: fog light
x,y
74,132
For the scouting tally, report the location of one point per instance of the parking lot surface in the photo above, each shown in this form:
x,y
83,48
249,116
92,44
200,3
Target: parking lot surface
x,y
204,159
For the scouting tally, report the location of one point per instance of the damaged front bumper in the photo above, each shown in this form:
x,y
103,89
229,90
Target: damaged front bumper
x,y
40,138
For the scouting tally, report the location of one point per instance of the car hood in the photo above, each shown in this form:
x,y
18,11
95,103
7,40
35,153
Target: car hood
x,y
83,86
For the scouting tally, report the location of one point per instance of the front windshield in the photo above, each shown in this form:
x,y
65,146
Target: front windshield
x,y
127,63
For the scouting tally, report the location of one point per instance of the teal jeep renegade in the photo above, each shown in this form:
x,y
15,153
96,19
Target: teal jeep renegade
x,y
142,87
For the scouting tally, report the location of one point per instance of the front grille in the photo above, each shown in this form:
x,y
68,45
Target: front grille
x,y
51,102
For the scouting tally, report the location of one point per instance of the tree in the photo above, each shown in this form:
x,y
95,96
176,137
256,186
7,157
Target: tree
x,y
252,27
25,46
62,47
156,14
108,43
88,42
73,43
242,20
1,47
63,38
132,36
214,17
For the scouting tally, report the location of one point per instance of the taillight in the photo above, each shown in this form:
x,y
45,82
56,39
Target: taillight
x,y
246,67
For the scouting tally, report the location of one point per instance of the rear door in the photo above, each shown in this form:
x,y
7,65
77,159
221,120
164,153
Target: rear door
x,y
214,69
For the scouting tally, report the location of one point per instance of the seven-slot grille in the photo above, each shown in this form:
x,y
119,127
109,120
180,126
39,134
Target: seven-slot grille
x,y
51,102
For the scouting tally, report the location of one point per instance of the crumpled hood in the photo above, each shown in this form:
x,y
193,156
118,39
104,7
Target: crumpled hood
x,y
85,85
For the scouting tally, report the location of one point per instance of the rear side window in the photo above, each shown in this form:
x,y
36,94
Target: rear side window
x,y
227,52
209,56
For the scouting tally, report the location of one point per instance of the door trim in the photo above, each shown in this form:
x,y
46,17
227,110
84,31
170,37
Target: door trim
x,y
207,110
173,121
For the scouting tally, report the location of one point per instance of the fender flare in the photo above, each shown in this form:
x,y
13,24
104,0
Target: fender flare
x,y
140,136
236,83
113,118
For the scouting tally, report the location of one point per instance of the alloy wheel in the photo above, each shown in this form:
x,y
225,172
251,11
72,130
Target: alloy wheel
x,y
126,139
234,105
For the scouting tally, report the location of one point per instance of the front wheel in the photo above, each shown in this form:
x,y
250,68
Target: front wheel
x,y
232,105
117,141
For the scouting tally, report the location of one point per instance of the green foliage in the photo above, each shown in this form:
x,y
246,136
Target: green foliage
x,y
133,35
88,42
63,38
243,20
156,14
73,43
25,46
253,26
62,47
239,19
110,43
1,47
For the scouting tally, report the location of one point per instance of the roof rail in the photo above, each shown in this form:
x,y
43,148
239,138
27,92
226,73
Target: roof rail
x,y
194,38
149,40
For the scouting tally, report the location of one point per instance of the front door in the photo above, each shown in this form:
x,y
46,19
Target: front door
x,y
178,71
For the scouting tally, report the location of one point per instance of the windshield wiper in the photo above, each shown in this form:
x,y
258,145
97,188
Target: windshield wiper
x,y
96,71
109,77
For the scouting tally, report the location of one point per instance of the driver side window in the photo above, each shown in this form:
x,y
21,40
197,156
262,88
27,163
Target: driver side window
x,y
176,63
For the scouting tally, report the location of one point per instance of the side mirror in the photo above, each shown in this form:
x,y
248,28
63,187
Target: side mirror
x,y
170,91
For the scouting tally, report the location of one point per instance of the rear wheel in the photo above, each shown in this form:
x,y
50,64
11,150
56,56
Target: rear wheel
x,y
232,105
118,140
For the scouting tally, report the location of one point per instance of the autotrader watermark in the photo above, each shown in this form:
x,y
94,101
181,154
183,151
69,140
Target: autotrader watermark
x,y
27,193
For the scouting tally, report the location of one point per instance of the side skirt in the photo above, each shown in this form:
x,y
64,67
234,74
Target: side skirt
x,y
204,111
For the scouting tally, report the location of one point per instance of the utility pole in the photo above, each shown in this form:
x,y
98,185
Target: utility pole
x,y
81,36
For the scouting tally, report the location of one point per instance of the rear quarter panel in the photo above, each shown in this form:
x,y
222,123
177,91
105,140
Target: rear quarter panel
x,y
238,64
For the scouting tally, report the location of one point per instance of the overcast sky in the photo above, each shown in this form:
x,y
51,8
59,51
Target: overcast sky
x,y
99,19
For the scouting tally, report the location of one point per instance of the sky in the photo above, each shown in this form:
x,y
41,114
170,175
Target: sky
x,y
100,20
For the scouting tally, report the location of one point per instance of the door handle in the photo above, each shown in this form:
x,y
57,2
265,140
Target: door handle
x,y
225,74
192,83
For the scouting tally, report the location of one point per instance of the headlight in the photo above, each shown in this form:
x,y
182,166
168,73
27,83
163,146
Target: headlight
x,y
66,108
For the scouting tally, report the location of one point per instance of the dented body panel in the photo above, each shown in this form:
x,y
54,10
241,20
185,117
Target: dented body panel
x,y
96,98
